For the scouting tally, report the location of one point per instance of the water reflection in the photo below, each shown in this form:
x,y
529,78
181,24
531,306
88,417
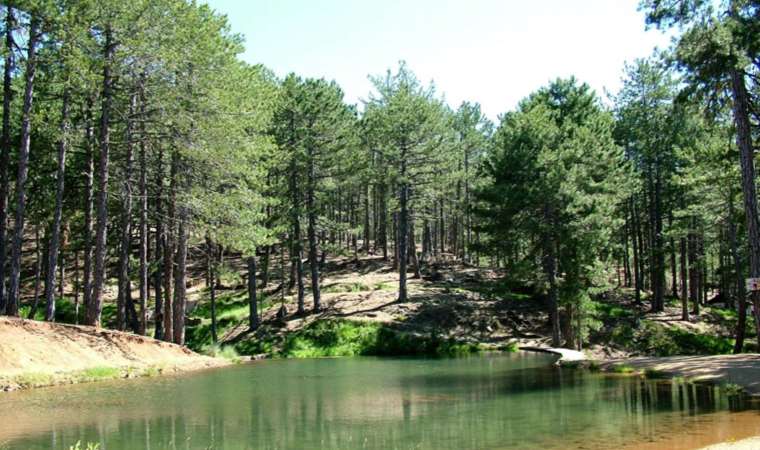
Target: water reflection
x,y
512,401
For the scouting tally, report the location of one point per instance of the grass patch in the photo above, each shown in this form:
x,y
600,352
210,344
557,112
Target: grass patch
x,y
98,373
384,286
622,368
658,340
510,347
34,379
231,310
731,389
227,352
340,288
335,337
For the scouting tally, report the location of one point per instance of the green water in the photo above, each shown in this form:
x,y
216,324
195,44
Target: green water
x,y
481,402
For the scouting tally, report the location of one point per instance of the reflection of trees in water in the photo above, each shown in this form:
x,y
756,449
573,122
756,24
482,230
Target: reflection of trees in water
x,y
373,403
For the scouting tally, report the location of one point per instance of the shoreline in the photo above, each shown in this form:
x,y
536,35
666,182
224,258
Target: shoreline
x,y
41,354
740,371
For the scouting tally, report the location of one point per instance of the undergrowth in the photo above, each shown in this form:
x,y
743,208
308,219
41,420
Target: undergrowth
x,y
333,337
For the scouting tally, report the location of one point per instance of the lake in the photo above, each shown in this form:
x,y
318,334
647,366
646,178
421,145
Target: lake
x,y
499,401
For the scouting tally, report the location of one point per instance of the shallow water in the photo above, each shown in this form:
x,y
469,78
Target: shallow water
x,y
483,402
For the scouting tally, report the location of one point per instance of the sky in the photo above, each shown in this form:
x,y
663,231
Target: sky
x,y
494,52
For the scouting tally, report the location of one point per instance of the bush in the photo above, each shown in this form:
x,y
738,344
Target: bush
x,y
328,338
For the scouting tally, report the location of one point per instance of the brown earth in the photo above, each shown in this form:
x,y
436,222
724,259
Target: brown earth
x,y
742,370
34,353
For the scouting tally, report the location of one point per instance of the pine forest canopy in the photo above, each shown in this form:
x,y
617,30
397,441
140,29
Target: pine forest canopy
x,y
136,143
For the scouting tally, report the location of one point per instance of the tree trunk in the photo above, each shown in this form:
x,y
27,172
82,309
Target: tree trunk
x,y
312,231
550,268
96,306
673,265
180,288
693,269
741,324
23,169
76,287
367,229
403,228
143,269
88,205
746,155
253,312
413,249
636,252
169,252
265,266
55,234
124,283
5,141
211,284
684,282
295,249
37,273
160,243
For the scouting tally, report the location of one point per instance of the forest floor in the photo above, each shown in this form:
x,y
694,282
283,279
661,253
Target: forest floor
x,y
452,308
35,354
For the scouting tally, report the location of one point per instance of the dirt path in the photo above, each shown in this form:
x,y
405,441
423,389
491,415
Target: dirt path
x,y
742,370
36,353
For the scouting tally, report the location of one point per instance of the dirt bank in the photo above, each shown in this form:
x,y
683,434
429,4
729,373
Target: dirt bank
x,y
742,370
36,353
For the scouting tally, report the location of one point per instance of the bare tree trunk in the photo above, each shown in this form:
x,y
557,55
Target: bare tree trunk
x,y
9,66
265,266
550,270
684,282
160,243
741,324
636,252
211,283
76,287
88,204
693,268
143,279
124,283
746,155
169,252
180,290
312,231
37,273
673,268
296,253
56,226
367,229
23,168
403,228
95,308
413,251
253,303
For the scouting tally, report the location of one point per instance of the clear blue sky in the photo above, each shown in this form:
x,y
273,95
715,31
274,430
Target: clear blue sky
x,y
494,52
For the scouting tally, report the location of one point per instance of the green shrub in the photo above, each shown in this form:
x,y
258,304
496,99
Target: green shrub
x,y
98,373
622,368
659,340
332,337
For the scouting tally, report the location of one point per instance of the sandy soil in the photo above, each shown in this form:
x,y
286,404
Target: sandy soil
x,y
32,347
742,370
744,444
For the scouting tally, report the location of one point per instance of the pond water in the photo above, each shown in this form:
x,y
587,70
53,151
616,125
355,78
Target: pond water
x,y
483,402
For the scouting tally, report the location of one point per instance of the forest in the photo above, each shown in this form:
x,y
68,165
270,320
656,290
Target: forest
x,y
166,206
140,156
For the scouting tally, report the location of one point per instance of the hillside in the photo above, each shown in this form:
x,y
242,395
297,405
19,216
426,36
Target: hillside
x,y
37,353
453,308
